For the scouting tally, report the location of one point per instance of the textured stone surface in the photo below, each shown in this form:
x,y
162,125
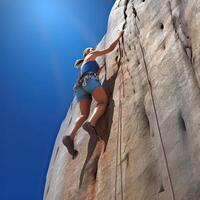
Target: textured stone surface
x,y
153,80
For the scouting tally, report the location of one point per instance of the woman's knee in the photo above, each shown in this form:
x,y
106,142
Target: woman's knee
x,y
103,103
100,96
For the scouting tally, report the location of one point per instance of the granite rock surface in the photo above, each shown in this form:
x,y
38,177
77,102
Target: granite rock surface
x,y
150,147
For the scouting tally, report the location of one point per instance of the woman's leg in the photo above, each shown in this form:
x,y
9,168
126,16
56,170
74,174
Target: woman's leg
x,y
101,98
84,105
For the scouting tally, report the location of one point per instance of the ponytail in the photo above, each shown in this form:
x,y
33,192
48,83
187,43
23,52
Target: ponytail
x,y
78,62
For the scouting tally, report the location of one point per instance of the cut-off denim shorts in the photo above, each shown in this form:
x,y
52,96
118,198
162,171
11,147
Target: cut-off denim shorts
x,y
86,89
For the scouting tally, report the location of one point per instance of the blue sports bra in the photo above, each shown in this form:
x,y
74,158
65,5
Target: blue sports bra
x,y
90,66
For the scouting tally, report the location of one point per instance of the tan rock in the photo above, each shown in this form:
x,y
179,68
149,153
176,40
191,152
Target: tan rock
x,y
152,79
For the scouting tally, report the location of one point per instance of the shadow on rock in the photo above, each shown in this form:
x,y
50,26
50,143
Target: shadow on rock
x,y
105,122
91,147
103,127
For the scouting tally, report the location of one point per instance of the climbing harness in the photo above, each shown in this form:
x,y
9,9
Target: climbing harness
x,y
82,81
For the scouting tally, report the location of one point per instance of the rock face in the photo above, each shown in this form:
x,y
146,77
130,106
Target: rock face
x,y
151,129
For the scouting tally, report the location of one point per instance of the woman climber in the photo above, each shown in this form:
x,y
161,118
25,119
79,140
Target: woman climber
x,y
86,87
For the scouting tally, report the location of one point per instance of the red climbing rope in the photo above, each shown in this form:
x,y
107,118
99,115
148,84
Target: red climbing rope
x,y
119,130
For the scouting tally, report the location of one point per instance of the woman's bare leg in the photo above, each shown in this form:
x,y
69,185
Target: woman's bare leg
x,y
84,106
101,98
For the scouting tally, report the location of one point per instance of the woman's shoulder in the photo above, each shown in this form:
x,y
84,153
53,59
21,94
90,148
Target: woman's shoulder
x,y
87,61
89,58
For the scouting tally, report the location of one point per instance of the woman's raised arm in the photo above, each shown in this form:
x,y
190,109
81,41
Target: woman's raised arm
x,y
97,53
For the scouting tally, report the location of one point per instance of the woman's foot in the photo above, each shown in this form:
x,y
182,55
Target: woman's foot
x,y
91,130
69,143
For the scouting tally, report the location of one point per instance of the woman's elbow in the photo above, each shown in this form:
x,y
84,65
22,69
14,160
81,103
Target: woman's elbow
x,y
112,46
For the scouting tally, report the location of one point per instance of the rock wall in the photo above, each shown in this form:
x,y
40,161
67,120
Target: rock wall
x,y
151,129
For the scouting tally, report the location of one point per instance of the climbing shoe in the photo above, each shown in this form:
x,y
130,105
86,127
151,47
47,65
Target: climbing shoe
x,y
91,130
68,142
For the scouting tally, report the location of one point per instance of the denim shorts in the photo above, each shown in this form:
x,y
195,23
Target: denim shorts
x,y
85,91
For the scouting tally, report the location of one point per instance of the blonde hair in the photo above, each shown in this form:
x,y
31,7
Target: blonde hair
x,y
80,61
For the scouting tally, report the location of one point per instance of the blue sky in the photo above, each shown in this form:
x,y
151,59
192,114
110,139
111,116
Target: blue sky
x,y
40,40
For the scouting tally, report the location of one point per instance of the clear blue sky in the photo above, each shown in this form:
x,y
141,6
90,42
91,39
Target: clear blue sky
x,y
39,40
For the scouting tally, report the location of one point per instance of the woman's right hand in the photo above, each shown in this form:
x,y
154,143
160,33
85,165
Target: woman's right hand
x,y
120,34
97,53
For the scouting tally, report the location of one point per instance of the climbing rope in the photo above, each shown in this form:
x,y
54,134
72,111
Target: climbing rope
x,y
154,107
119,129
121,94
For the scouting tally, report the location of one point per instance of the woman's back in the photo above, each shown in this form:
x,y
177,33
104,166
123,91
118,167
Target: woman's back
x,y
90,66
